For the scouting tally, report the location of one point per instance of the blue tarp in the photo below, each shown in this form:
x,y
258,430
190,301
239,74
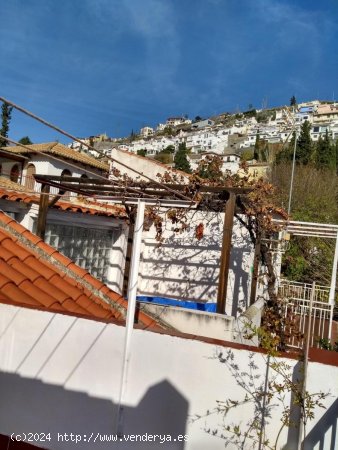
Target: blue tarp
x,y
209,307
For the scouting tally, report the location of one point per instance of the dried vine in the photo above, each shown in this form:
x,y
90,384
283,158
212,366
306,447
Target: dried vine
x,y
255,211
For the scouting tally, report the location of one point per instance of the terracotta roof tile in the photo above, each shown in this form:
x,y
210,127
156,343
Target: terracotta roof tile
x,y
72,306
95,282
41,297
3,280
55,292
47,248
15,294
11,273
79,271
11,246
64,285
6,255
23,268
13,192
33,238
61,150
44,269
33,274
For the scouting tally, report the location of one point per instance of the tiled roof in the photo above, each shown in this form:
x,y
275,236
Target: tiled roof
x,y
33,274
55,148
7,183
17,193
327,109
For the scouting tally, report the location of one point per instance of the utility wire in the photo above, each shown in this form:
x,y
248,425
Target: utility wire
x,y
54,127
69,164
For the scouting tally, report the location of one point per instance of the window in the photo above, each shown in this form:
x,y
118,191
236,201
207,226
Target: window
x,y
29,181
66,195
15,172
89,248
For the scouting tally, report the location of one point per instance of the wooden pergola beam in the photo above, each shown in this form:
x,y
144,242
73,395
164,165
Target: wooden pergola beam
x,y
226,252
43,210
255,270
77,182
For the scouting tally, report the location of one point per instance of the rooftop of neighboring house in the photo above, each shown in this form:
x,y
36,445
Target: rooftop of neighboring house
x,y
57,149
11,191
35,275
202,155
327,109
150,162
306,109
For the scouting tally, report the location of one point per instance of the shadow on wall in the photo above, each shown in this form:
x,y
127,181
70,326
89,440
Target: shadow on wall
x,y
184,268
324,430
240,281
29,405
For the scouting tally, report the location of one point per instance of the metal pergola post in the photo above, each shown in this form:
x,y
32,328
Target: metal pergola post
x,y
132,291
333,285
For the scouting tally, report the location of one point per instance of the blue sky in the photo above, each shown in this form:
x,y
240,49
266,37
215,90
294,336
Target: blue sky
x,y
94,66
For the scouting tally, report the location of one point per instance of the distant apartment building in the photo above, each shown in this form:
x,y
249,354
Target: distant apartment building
x,y
203,123
146,132
326,112
230,162
160,127
174,121
206,141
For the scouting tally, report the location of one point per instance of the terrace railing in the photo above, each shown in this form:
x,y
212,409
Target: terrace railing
x,y
296,300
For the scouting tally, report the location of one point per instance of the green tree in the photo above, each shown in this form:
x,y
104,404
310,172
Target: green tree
x,y
293,101
169,149
168,131
6,114
261,150
181,160
247,155
325,153
210,168
132,136
142,152
25,141
304,150
257,147
286,154
313,200
164,158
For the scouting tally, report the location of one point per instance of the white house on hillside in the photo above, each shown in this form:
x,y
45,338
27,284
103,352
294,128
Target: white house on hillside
x,y
146,131
230,161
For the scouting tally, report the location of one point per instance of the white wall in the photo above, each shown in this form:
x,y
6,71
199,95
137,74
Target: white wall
x,y
210,325
184,268
143,165
47,165
61,374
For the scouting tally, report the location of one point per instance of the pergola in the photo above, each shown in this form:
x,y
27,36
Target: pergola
x,y
141,194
